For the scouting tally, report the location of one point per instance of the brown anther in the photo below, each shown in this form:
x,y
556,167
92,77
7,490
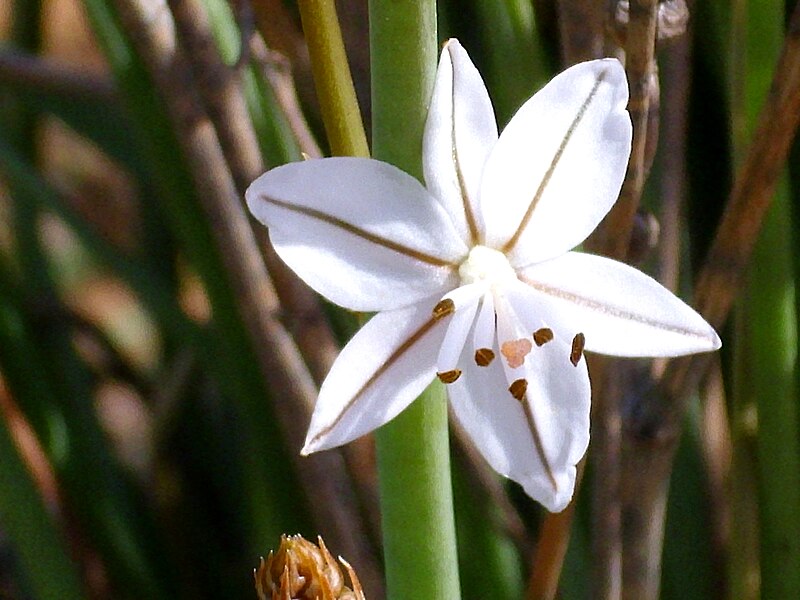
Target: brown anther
x,y
578,342
449,376
518,389
542,336
443,308
515,351
484,357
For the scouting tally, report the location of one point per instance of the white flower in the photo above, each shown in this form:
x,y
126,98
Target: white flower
x,y
474,276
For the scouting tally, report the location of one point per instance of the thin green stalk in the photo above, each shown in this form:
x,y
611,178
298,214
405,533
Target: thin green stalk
x,y
413,450
337,96
687,563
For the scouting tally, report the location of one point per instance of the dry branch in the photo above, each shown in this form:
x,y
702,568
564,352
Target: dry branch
x,y
323,477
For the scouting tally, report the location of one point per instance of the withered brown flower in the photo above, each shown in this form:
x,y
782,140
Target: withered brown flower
x,y
302,570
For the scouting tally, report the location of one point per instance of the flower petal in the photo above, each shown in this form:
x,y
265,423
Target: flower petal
x,y
559,399
459,133
558,167
497,423
485,326
379,372
620,310
465,301
360,232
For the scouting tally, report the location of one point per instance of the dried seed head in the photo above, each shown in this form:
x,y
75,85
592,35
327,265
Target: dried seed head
x,y
301,570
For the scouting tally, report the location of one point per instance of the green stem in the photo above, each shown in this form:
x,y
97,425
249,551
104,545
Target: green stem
x,y
403,54
334,85
419,539
413,450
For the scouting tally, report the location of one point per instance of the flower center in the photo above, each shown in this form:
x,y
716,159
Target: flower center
x,y
486,264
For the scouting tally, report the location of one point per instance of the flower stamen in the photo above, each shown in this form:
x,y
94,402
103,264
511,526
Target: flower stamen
x,y
578,342
484,357
443,308
449,376
542,336
518,389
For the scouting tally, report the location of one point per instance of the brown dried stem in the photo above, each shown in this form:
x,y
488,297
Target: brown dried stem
x,y
613,239
551,549
222,94
651,439
221,91
581,24
276,69
608,384
582,37
672,185
323,476
613,235
46,75
282,33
